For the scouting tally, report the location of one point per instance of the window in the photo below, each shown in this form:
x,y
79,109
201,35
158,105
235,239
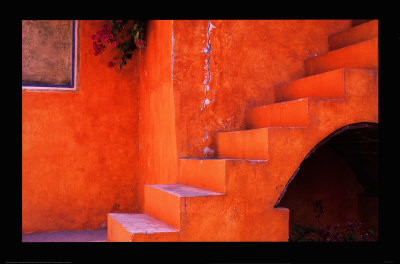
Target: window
x,y
49,55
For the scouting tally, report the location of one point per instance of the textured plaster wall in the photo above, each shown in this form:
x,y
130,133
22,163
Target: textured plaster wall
x,y
90,153
157,136
223,67
80,150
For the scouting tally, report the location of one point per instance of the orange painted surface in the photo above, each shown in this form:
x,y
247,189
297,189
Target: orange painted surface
x,y
364,56
354,35
291,113
324,85
196,78
290,146
119,233
162,205
249,144
197,173
158,161
125,228
80,150
234,216
228,217
246,60
252,187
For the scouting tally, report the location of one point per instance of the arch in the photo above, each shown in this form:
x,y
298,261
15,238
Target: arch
x,y
340,131
340,172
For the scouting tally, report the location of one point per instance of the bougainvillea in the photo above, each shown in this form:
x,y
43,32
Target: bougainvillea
x,y
123,35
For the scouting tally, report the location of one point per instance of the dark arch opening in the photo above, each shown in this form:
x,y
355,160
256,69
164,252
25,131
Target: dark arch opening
x,y
337,183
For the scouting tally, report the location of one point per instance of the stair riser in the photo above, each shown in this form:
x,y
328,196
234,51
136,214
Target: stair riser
x,y
162,206
328,85
171,204
291,146
360,85
354,35
116,232
226,216
363,55
287,114
206,174
125,227
242,178
238,145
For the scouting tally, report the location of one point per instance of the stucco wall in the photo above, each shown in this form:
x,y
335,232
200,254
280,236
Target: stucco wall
x,y
89,153
223,67
80,150
157,137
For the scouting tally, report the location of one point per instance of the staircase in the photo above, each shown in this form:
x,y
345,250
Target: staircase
x,y
234,197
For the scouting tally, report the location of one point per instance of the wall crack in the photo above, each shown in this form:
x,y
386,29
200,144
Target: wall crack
x,y
207,51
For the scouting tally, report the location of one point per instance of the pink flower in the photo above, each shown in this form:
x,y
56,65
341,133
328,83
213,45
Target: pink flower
x,y
139,43
98,48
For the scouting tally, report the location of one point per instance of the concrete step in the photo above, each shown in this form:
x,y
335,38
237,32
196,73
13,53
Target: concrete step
x,y
169,202
328,85
124,227
244,144
354,35
360,100
203,173
285,114
218,174
363,55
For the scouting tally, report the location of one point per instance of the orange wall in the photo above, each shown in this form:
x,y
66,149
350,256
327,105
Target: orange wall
x,y
157,137
80,150
247,58
89,153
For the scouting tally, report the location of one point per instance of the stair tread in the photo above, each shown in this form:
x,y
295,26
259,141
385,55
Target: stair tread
x,y
353,35
142,223
182,190
362,55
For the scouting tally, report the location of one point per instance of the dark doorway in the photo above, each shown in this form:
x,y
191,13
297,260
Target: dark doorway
x,y
337,184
